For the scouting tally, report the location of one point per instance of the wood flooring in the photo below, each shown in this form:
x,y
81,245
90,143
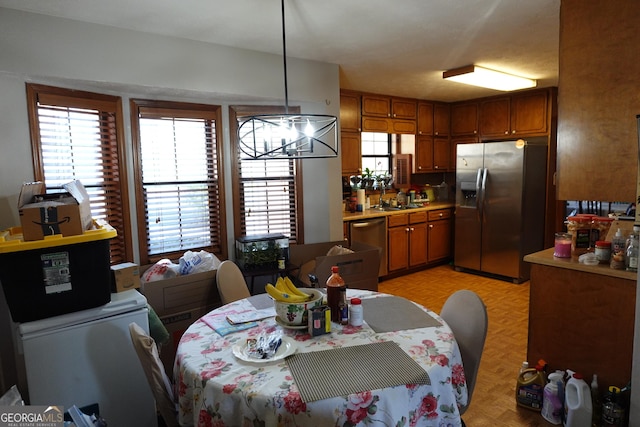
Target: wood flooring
x,y
493,402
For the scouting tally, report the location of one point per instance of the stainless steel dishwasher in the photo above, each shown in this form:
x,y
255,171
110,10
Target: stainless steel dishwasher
x,y
372,232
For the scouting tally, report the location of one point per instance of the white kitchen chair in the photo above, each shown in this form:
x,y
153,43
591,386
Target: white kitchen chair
x,y
466,315
231,283
153,368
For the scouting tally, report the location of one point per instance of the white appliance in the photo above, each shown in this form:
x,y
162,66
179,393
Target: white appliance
x,y
87,357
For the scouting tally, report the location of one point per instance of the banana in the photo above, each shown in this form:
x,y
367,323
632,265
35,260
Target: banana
x,y
282,287
283,296
293,289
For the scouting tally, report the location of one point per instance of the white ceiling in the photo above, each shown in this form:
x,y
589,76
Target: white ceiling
x,y
394,47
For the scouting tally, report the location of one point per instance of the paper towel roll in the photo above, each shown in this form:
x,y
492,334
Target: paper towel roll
x,y
361,197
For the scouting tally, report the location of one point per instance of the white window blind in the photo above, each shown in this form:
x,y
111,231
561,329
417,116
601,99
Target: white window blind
x,y
76,138
180,183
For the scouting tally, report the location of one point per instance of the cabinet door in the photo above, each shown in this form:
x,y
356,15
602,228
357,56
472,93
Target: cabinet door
x,y
494,117
375,124
441,154
529,114
425,118
376,106
351,153
441,119
398,248
417,244
464,119
403,108
424,154
439,235
350,112
402,126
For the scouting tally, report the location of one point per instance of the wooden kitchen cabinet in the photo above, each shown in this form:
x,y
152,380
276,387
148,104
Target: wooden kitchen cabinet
x,y
402,108
350,142
439,235
407,237
376,106
395,126
350,112
524,114
433,119
464,119
431,154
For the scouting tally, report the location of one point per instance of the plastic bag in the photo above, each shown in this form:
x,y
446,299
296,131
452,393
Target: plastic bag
x,y
197,262
161,270
12,397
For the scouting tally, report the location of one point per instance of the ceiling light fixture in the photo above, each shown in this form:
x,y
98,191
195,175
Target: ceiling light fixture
x,y
287,136
484,77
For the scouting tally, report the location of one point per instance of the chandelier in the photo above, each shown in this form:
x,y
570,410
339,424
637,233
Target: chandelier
x,y
287,136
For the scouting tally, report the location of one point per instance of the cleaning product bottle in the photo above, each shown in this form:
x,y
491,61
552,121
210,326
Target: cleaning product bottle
x,y
530,387
577,406
613,413
618,250
551,403
595,402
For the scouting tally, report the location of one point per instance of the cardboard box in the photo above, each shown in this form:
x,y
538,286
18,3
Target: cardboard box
x,y
179,302
358,269
43,214
125,276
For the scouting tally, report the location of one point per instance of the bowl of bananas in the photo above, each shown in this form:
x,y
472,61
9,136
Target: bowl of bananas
x,y
292,304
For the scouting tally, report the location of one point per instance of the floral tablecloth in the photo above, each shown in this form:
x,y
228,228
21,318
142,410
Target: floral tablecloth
x,y
214,388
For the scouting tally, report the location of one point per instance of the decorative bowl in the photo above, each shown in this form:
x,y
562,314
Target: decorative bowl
x,y
296,314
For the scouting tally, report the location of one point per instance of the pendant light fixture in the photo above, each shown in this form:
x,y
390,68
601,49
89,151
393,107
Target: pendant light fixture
x,y
484,77
287,136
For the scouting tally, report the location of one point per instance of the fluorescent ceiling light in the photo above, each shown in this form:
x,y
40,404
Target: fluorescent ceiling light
x,y
484,77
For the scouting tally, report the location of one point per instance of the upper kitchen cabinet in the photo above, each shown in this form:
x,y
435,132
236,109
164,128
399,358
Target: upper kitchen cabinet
x,y
388,115
433,119
524,114
431,154
350,143
350,112
464,119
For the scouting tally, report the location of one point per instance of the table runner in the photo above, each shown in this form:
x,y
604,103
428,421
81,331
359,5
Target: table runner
x,y
390,314
348,370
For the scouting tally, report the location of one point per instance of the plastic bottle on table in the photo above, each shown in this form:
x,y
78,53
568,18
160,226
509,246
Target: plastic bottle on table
x,y
577,408
356,316
335,284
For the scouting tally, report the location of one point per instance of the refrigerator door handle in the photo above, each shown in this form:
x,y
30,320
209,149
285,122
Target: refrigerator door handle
x,y
478,188
483,189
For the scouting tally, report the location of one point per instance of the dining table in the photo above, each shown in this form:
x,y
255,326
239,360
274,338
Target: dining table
x,y
401,367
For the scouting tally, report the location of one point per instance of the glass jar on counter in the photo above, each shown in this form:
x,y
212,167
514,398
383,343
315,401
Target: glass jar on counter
x,y
603,251
580,229
562,246
600,226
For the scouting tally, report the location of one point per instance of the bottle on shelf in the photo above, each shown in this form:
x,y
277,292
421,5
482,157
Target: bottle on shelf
x,y
335,284
631,254
617,251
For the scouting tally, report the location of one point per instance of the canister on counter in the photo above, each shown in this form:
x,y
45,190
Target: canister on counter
x,y
580,229
603,251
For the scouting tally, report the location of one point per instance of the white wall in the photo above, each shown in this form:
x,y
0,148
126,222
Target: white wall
x,y
41,49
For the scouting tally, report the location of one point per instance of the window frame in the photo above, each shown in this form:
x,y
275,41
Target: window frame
x,y
122,245
236,111
185,110
388,155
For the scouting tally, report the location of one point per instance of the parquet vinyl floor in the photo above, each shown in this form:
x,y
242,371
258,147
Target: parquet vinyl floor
x,y
493,402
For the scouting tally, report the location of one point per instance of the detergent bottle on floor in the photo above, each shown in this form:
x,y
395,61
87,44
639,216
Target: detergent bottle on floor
x,y
530,387
577,405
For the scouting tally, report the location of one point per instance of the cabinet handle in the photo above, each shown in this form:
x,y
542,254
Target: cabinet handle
x,y
437,133
440,214
411,229
513,131
430,225
435,166
506,132
406,229
475,131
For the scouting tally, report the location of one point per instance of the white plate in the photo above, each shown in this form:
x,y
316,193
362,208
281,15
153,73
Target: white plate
x,y
287,348
287,326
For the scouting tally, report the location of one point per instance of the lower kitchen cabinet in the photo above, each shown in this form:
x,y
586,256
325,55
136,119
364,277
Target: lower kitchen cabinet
x,y
407,237
439,232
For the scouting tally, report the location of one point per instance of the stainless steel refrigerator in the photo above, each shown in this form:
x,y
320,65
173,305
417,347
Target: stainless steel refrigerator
x,y
500,206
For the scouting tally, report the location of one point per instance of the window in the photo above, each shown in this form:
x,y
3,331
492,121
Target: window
x,y
376,152
178,181
269,200
78,135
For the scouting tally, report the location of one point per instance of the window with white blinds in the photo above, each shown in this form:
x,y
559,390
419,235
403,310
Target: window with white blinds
x,y
179,185
75,135
269,196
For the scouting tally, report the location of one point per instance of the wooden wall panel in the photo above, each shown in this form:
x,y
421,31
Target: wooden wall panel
x,y
598,100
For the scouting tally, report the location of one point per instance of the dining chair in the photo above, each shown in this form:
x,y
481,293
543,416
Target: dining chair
x,y
231,283
466,315
153,368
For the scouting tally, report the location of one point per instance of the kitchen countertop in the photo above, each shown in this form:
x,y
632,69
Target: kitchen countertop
x,y
375,213
546,257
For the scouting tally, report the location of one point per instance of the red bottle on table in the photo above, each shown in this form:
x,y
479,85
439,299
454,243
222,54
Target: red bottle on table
x,y
335,284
